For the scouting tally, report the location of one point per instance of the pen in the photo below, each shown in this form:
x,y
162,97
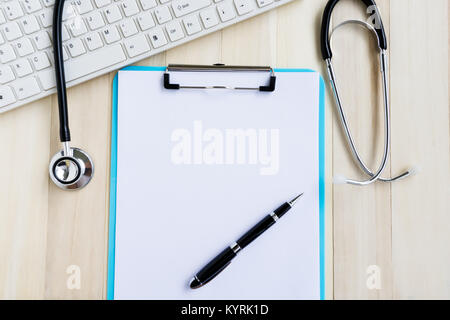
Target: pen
x,y
221,261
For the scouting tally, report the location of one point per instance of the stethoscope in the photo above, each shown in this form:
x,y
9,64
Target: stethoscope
x,y
71,168
327,56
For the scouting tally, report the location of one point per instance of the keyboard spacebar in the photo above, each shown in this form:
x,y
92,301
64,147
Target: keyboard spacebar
x,y
84,65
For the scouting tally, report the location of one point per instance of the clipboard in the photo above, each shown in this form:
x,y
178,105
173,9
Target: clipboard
x,y
168,83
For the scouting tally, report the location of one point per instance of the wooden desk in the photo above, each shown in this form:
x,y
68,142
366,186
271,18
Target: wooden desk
x,y
402,228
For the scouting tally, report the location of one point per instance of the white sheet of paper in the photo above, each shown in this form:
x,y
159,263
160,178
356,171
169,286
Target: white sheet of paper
x,y
173,217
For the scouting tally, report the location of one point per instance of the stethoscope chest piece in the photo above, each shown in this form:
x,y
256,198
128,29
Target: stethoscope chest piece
x,y
71,170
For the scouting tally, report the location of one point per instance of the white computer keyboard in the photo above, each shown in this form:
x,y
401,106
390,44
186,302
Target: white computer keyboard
x,y
100,36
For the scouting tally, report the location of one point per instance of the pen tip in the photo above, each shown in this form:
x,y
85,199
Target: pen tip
x,y
293,201
195,284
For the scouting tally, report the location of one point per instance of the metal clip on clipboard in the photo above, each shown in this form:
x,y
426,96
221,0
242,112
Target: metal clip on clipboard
x,y
218,68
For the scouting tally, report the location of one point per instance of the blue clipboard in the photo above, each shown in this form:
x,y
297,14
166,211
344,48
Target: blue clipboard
x,y
113,180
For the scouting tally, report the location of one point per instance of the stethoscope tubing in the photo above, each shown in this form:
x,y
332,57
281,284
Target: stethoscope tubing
x,y
327,56
64,132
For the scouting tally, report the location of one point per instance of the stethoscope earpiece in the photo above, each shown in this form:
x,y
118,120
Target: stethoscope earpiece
x,y
71,168
327,54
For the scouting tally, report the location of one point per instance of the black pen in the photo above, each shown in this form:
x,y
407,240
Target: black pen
x,y
219,263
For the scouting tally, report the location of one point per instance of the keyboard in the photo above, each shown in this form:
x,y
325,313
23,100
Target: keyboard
x,y
100,36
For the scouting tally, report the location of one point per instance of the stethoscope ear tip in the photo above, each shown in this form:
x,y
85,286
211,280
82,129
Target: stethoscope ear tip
x,y
414,170
339,180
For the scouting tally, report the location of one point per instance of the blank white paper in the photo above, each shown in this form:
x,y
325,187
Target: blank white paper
x,y
180,204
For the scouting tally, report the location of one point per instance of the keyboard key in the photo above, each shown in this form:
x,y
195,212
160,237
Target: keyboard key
x,y
26,88
244,6
12,31
2,41
263,3
22,67
64,34
84,65
128,28
29,24
32,5
162,14
209,17
192,24
76,47
157,37
13,10
95,20
65,54
226,11
42,40
102,3
130,8
48,3
69,11
145,21
175,31
111,34
113,14
2,17
77,27
24,47
47,79
83,6
147,4
184,7
93,41
136,46
46,17
6,74
7,53
6,96
40,61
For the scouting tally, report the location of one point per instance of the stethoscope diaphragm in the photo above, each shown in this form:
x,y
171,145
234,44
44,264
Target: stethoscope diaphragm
x,y
71,171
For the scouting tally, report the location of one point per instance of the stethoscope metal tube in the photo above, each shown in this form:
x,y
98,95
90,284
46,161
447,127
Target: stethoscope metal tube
x,y
70,168
327,56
